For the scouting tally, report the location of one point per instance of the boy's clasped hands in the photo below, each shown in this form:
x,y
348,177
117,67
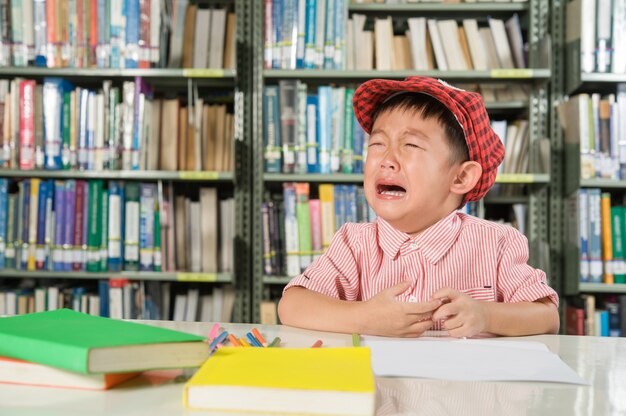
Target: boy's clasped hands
x,y
461,315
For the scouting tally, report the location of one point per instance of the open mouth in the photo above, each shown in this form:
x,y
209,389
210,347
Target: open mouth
x,y
390,190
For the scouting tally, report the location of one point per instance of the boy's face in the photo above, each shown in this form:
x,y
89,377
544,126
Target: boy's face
x,y
408,174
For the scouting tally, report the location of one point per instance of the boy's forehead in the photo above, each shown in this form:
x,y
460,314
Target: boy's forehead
x,y
409,117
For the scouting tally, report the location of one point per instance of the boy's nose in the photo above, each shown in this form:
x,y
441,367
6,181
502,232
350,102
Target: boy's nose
x,y
389,162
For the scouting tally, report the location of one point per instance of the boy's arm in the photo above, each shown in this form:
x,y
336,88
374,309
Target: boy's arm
x,y
382,315
466,317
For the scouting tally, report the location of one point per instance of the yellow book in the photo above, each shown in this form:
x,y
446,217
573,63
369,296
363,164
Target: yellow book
x,y
607,242
321,381
327,203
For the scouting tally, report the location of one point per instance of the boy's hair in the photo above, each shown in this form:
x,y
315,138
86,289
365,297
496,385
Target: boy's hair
x,y
430,108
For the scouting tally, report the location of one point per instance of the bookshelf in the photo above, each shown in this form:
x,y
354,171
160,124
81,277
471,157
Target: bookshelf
x,y
222,86
536,76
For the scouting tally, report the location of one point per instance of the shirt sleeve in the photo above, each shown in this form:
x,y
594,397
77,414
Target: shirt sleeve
x,y
335,273
517,280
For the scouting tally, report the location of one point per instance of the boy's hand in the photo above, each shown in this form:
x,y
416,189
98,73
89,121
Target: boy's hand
x,y
462,315
386,316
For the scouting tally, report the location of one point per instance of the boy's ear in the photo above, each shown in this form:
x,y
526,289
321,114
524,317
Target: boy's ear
x,y
466,178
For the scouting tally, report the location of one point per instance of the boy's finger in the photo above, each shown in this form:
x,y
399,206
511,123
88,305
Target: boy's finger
x,y
418,328
446,293
422,307
444,311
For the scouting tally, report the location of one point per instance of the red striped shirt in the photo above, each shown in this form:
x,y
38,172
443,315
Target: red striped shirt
x,y
485,260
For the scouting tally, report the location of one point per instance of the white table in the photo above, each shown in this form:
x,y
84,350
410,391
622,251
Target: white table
x,y
601,361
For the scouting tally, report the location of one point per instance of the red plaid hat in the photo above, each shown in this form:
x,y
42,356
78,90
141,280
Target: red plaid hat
x,y
485,147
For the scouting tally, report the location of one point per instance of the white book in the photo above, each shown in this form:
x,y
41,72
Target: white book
x,y
490,48
94,305
191,307
581,16
209,229
195,236
116,303
176,34
440,56
475,44
99,130
603,35
40,299
514,31
503,49
618,38
201,38
11,303
180,307
383,37
417,31
449,30
3,303
53,298
218,33
206,308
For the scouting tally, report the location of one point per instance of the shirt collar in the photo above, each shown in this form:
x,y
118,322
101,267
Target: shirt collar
x,y
434,242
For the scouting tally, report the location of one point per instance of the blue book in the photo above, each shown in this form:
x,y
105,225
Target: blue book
x,y
53,90
25,217
329,35
116,227
131,51
340,13
68,239
40,244
604,323
277,24
350,203
59,226
4,208
102,55
358,138
583,234
309,34
312,156
103,293
340,206
104,241
11,238
324,128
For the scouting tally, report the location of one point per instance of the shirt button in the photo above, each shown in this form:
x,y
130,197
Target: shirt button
x,y
413,244
412,299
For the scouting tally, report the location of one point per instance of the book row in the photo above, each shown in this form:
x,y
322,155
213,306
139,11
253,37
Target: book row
x,y
598,124
77,225
425,44
298,228
597,316
55,125
596,29
315,131
124,299
602,237
116,34
318,34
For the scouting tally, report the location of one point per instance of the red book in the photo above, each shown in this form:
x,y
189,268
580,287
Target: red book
x,y
27,125
79,222
574,321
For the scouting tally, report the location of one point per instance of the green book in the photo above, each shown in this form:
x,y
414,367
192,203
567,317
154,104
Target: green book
x,y
94,226
88,344
65,152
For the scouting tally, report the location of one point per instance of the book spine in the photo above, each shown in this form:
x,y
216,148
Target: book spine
x,y
94,226
59,226
617,237
358,140
144,33
42,214
595,236
10,251
337,110
52,120
68,239
131,51
312,148
315,213
40,27
5,33
104,242
288,123
327,202
266,239
157,260
309,34
271,130
131,227
79,224
291,230
303,217
29,255
607,248
4,208
324,130
146,227
27,125
348,138
301,129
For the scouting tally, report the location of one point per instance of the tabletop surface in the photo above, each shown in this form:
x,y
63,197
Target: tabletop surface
x,y
601,361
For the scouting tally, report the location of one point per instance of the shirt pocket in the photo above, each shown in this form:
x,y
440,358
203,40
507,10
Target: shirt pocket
x,y
481,293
